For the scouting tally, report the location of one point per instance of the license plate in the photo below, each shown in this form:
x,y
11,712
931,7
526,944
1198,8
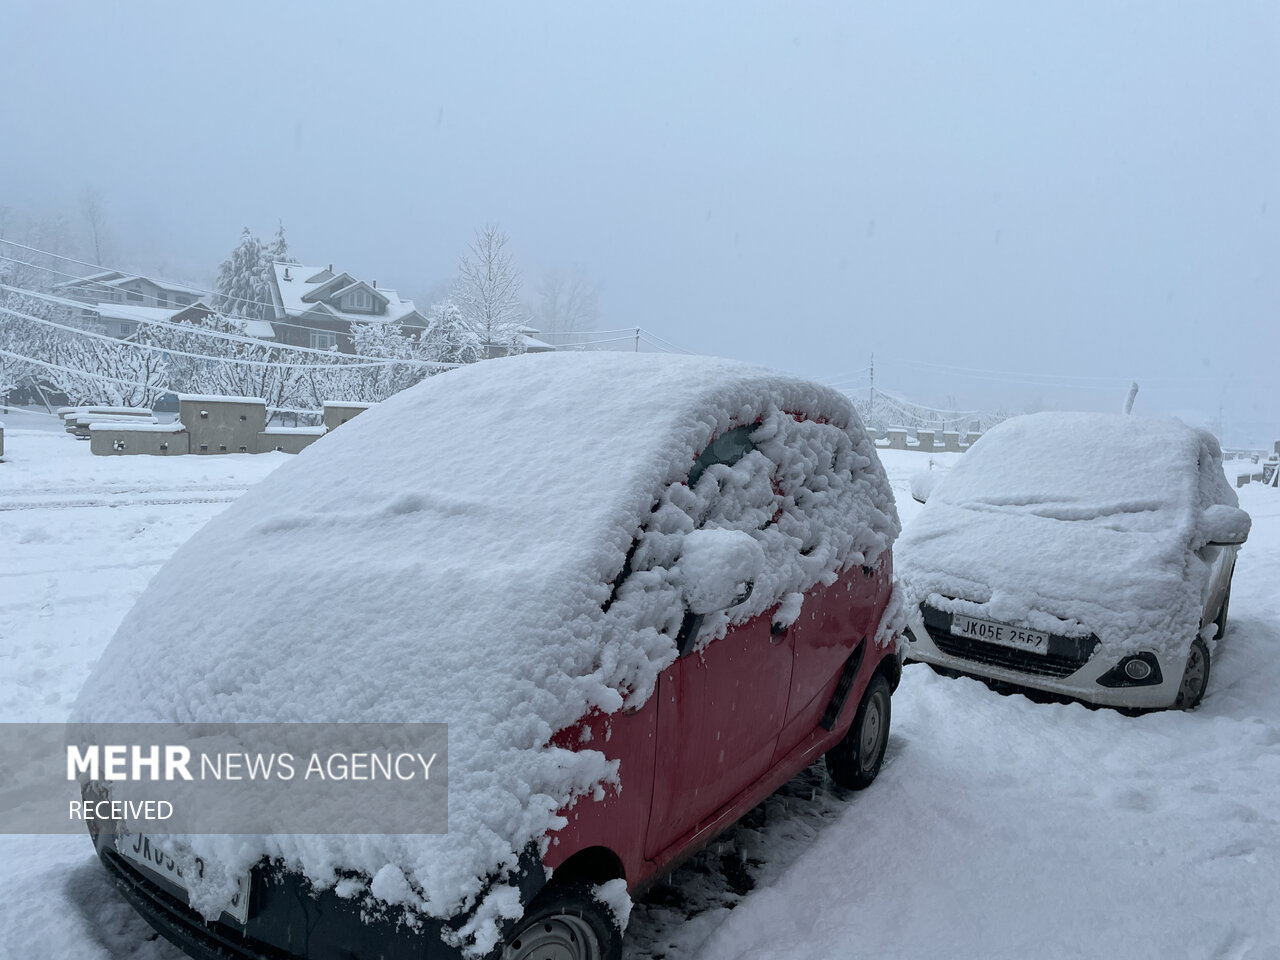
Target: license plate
x,y
143,851
1001,633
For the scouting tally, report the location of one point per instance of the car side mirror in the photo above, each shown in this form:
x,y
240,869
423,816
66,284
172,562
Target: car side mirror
x,y
922,485
1224,526
717,569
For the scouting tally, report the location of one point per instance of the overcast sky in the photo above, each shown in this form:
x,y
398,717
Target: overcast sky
x,y
1017,204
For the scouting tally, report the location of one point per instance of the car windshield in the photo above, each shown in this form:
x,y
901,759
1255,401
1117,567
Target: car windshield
x,y
1078,467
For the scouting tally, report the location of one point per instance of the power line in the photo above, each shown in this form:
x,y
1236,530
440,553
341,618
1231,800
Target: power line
x,y
83,373
102,377
674,346
128,305
173,351
195,330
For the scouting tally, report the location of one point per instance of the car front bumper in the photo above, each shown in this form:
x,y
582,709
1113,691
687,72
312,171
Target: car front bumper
x,y
1067,672
288,919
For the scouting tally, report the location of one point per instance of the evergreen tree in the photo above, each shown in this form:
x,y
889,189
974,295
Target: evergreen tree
x,y
278,250
449,338
242,281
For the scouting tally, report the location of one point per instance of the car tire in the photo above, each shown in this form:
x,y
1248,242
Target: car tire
x,y
1221,619
855,761
565,921
1195,678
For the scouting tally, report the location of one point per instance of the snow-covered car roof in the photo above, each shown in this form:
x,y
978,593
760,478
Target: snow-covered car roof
x,y
1073,523
446,557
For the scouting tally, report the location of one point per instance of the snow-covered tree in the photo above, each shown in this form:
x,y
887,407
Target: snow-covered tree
x,y
370,383
449,338
118,373
488,293
243,288
278,250
242,281
19,339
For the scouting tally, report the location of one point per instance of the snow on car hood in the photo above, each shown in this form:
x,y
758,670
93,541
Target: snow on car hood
x,y
446,557
1075,524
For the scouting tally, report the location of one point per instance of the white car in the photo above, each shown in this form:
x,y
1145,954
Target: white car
x,y
1087,555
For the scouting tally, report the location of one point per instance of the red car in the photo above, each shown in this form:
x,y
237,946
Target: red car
x,y
643,591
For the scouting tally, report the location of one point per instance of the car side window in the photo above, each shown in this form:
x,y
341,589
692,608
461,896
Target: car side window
x,y
728,448
800,488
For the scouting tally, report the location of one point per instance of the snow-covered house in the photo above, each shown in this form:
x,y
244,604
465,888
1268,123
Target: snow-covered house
x,y
123,320
111,286
315,307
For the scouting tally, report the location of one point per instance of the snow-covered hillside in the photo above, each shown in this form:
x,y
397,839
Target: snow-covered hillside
x,y
998,827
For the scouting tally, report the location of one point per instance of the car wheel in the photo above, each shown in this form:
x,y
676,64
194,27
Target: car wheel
x,y
1221,619
565,922
1195,678
855,760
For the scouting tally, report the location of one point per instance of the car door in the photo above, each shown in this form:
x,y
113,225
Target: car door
x,y
722,703
719,713
832,621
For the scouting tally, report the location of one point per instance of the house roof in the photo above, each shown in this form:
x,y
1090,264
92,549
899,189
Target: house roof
x,y
260,329
122,311
114,278
294,292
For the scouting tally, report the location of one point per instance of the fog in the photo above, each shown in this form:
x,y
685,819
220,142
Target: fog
x,y
1012,206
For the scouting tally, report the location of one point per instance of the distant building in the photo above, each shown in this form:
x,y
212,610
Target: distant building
x,y
531,344
123,321
111,286
315,307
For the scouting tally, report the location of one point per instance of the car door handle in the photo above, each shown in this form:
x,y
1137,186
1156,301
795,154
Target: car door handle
x,y
777,632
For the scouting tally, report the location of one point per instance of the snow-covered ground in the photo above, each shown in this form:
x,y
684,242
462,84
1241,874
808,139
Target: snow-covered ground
x,y
998,827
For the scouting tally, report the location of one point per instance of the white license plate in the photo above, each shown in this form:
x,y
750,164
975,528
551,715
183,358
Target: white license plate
x,y
147,854
1001,633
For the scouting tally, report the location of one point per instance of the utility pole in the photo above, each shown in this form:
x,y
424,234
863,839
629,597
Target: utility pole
x,y
1133,395
871,390
637,339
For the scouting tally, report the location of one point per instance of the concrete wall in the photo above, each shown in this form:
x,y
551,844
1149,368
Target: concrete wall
x,y
336,414
1,439
927,441
161,440
223,424
288,439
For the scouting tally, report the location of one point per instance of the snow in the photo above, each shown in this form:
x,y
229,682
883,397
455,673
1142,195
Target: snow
x,y
468,584
614,896
214,398
998,827
259,329
130,425
1073,524
716,565
138,314
69,413
294,431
